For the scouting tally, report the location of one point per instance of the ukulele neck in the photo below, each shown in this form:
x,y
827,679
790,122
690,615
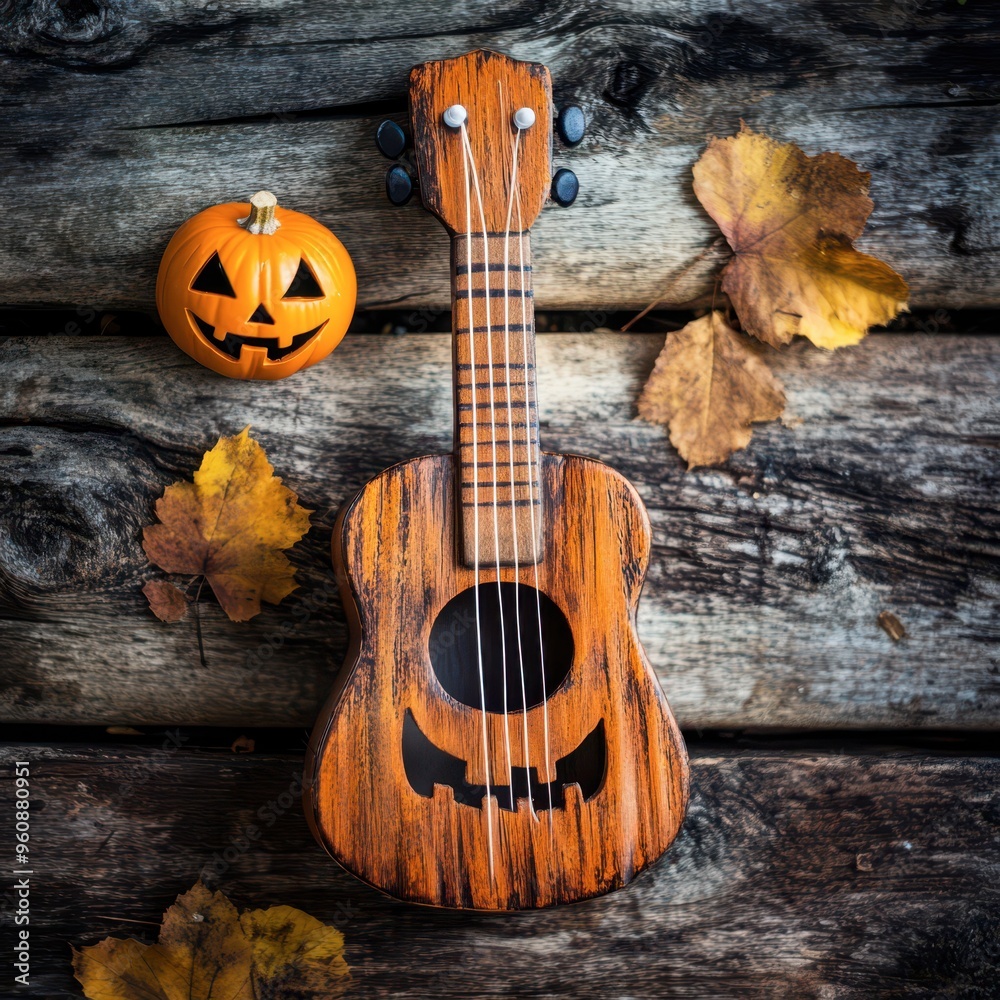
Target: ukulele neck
x,y
499,501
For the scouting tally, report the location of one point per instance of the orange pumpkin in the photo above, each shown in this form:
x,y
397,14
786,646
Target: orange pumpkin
x,y
255,291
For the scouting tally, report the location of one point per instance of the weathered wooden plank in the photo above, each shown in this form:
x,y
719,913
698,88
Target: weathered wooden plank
x,y
796,875
115,128
767,576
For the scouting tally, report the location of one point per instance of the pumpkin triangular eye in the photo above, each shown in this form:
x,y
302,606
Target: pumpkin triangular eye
x,y
304,285
212,278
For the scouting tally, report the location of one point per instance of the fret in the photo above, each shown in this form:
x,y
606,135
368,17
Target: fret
x,y
464,366
486,444
487,433
480,267
496,412
495,293
495,328
488,385
484,464
498,276
536,502
501,490
502,466
500,404
495,236
495,485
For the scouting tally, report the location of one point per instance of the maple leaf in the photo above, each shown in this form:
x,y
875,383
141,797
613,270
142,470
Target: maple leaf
x,y
708,385
791,220
230,526
207,950
166,601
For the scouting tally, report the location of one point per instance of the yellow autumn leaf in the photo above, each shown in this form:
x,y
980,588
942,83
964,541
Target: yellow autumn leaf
x,y
208,951
791,220
708,385
284,938
230,525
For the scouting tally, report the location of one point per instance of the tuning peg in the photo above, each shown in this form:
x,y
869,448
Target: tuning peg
x,y
571,124
565,187
398,185
390,139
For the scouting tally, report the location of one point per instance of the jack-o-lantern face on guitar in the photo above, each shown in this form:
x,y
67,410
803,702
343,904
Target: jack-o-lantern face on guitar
x,y
497,739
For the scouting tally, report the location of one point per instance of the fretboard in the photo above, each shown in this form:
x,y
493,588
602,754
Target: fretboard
x,y
496,409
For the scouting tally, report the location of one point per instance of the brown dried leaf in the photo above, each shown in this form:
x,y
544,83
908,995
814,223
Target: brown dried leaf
x,y
791,220
207,950
891,625
166,601
708,385
230,525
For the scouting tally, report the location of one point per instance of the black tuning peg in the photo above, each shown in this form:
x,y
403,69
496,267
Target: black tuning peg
x,y
571,124
565,187
390,139
398,185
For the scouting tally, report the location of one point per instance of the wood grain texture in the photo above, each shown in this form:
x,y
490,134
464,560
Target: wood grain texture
x,y
496,400
766,576
794,876
472,177
455,185
117,127
398,547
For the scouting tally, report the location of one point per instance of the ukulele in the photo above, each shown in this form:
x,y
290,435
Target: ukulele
x,y
496,739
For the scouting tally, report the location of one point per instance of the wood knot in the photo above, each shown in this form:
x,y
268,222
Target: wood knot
x,y
628,84
33,24
77,22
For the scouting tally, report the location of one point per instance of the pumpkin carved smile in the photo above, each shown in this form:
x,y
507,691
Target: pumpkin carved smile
x,y
232,343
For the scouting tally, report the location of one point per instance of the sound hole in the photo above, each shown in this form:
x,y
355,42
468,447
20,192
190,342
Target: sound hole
x,y
453,646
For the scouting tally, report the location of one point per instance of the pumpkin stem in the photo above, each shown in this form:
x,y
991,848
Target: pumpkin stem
x,y
261,219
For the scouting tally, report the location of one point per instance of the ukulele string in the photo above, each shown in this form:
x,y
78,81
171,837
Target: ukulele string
x,y
466,152
493,439
510,446
534,464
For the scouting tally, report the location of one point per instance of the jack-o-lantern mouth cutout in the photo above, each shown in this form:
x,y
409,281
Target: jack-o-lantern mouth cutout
x,y
255,291
233,343
427,765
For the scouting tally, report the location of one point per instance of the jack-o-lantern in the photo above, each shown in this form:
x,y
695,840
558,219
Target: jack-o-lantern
x,y
255,291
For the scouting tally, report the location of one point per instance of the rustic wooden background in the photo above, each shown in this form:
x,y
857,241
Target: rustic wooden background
x,y
122,120
858,859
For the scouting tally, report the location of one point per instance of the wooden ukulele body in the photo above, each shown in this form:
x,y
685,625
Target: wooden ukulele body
x,y
398,552
497,739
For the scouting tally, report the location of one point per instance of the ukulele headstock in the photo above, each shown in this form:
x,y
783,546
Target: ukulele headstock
x,y
492,89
